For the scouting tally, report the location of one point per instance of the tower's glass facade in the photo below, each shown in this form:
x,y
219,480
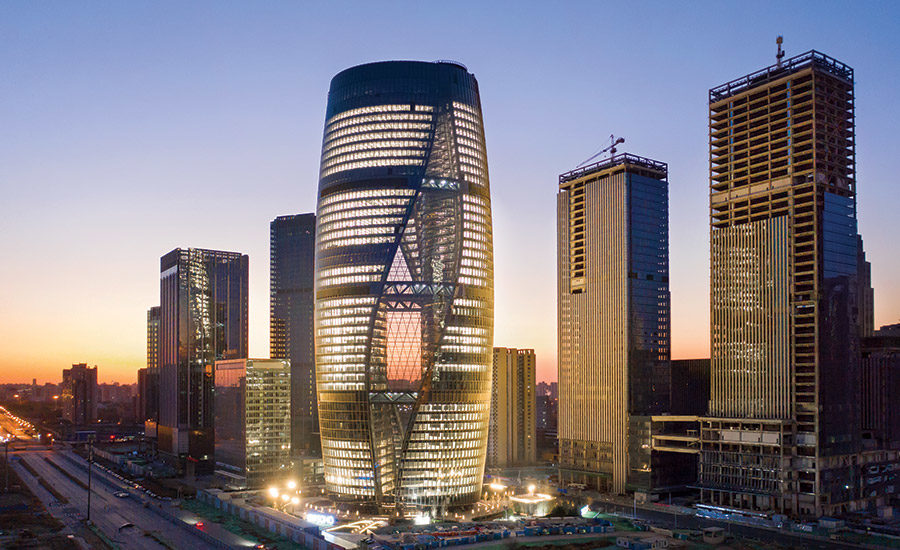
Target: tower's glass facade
x,y
404,286
291,280
203,319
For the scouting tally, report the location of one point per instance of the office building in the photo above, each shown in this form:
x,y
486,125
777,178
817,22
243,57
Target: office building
x,y
253,421
880,390
512,438
613,288
404,287
783,431
690,387
203,319
291,305
80,395
148,377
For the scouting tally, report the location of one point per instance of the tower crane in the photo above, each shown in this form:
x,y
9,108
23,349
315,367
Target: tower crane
x,y
613,141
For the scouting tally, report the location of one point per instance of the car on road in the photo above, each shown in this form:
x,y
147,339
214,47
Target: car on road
x,y
121,494
125,526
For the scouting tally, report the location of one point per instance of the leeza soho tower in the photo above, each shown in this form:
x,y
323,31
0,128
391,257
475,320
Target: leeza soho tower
x,y
404,286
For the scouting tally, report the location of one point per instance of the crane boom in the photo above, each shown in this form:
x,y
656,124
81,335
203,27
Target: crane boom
x,y
613,141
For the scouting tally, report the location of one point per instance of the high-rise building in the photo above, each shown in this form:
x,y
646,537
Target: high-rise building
x,y
613,287
880,389
404,286
291,306
783,430
148,378
690,387
203,318
253,421
512,430
80,395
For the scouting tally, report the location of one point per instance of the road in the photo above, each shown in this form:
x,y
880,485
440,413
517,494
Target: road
x,y
108,512
210,530
661,517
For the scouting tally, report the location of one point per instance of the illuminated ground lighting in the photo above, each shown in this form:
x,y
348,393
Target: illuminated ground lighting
x,y
497,486
531,498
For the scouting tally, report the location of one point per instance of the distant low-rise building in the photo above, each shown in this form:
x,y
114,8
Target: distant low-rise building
x,y
80,394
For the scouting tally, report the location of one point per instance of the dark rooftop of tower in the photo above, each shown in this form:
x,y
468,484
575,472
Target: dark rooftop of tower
x,y
811,58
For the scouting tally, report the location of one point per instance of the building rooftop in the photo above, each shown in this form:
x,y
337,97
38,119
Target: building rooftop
x,y
622,159
811,58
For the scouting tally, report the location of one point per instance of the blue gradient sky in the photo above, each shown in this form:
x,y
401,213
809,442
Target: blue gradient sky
x,y
131,128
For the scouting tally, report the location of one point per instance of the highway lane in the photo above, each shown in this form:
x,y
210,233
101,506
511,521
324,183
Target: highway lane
x,y
108,512
66,457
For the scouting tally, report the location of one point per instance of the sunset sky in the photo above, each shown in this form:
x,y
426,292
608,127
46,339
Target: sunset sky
x,y
131,128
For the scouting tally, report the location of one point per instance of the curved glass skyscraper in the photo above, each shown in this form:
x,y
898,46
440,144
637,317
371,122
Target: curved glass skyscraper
x,y
404,286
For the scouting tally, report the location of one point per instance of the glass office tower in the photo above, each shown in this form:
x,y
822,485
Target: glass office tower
x,y
253,419
203,318
613,284
404,287
291,279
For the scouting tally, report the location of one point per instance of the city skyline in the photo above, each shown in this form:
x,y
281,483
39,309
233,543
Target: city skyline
x,y
121,117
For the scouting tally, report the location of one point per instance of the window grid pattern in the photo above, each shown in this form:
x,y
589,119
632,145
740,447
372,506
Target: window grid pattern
x,y
404,305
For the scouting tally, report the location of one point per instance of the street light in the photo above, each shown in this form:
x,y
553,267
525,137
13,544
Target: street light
x,y
90,469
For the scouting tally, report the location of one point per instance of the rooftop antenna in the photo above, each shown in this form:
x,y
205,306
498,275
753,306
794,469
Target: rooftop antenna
x,y
780,53
613,141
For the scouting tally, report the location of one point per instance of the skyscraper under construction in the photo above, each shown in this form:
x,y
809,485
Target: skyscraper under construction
x,y
784,427
613,318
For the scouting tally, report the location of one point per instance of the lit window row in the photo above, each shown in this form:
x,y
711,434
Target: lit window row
x,y
363,194
352,329
469,302
358,231
348,209
363,216
344,320
373,154
477,180
374,144
474,340
470,169
378,117
366,136
462,132
466,116
337,311
467,330
374,163
463,349
385,108
473,281
346,357
346,270
470,152
377,127
342,377
474,199
343,444
347,302
464,107
343,386
470,262
465,124
471,143
482,236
